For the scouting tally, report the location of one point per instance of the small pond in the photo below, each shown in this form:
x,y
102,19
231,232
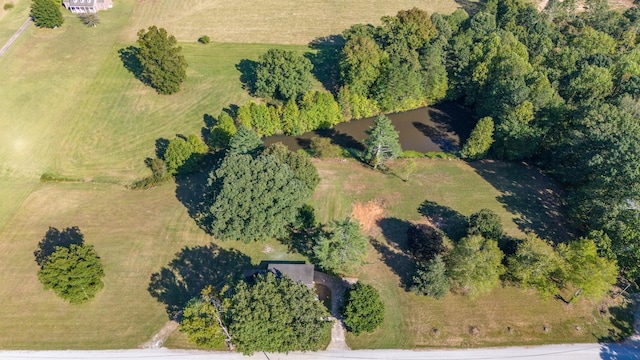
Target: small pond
x,y
443,127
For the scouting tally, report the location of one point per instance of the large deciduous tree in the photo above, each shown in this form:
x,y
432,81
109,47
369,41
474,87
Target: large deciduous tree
x,y
475,265
276,314
253,198
479,141
163,66
283,75
46,13
342,247
183,155
74,273
200,321
382,142
537,265
363,310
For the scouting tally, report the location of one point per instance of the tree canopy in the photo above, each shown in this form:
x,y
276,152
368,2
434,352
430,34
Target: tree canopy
x,y
283,75
253,198
163,66
475,265
363,310
382,142
74,273
183,155
200,323
341,247
46,13
276,314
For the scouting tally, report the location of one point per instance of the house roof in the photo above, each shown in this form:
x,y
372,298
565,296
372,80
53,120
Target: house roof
x,y
297,272
80,3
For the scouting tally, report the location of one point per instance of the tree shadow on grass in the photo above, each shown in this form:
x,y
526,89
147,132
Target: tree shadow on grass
x,y
614,344
129,58
525,191
399,262
395,231
325,60
248,75
451,222
192,270
55,238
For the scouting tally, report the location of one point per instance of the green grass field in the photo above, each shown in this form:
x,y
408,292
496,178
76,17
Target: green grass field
x,y
70,107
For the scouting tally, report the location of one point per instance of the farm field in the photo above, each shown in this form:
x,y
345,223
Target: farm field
x,y
69,107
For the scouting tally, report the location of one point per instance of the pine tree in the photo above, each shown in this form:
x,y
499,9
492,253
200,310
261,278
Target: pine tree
x,y
382,143
163,66
46,13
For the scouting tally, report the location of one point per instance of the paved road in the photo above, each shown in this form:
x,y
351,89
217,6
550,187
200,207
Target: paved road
x,y
15,36
630,351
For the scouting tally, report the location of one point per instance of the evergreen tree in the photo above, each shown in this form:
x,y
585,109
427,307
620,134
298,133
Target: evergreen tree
x,y
163,66
342,247
244,141
431,279
479,141
299,162
46,13
363,310
382,142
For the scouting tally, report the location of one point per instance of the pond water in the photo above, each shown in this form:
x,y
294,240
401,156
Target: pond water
x,y
443,127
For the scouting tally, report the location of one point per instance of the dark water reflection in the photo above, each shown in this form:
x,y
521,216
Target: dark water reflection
x,y
440,128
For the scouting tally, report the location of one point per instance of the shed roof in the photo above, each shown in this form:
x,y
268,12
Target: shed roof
x,y
297,272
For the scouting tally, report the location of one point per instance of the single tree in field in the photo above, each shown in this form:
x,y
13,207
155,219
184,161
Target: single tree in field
x,y
363,310
283,75
479,141
74,273
382,142
46,13
163,66
475,265
342,247
183,155
276,315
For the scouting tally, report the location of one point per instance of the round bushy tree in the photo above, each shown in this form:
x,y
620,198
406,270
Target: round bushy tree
x,y
74,273
200,323
342,247
485,223
46,13
363,310
475,265
183,155
283,75
163,66
276,314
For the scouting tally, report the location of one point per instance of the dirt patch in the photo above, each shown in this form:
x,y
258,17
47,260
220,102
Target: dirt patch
x,y
368,214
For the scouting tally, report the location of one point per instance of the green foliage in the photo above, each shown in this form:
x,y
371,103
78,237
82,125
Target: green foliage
x,y
200,323
183,155
204,39
319,110
252,198
74,273
283,75
363,310
220,134
426,242
356,106
486,223
342,247
163,66
382,142
431,279
276,315
361,61
322,148
592,275
592,83
46,13
291,119
8,6
244,141
406,169
475,265
479,141
299,162
537,265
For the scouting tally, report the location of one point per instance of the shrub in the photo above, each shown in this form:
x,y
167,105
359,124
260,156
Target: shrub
x,y
412,154
439,155
8,6
89,19
183,155
323,148
363,309
204,39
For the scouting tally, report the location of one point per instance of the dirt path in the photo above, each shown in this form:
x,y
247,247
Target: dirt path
x,y
161,336
15,36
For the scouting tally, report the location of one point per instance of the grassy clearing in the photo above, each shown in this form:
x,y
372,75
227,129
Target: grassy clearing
x,y
410,320
270,21
135,233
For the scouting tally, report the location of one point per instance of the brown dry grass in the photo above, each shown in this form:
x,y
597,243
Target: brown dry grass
x,y
368,214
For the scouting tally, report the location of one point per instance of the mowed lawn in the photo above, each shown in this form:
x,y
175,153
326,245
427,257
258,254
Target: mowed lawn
x,y
411,320
269,21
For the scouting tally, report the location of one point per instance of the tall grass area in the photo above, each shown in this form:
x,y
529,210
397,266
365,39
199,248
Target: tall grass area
x,y
411,320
